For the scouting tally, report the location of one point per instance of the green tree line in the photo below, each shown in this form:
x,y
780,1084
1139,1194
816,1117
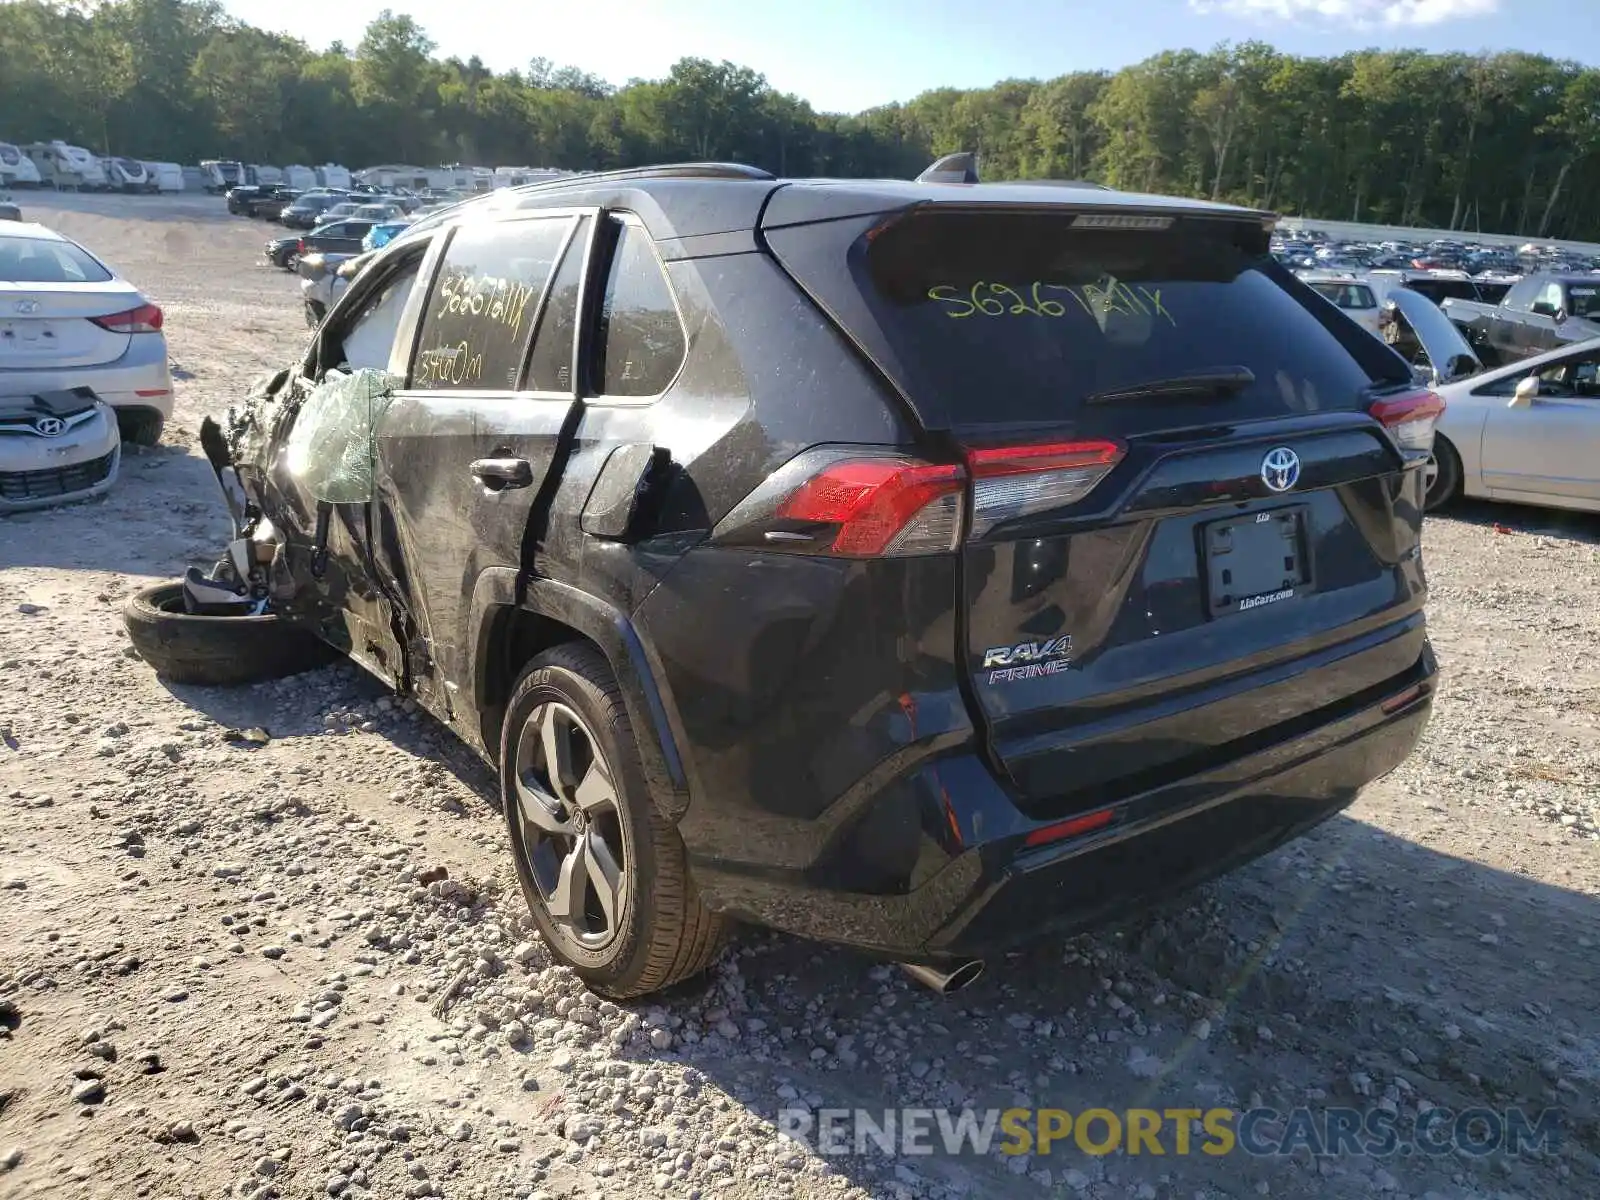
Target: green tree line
x,y
1505,142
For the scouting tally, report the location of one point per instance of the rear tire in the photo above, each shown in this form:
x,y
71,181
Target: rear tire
x,y
1444,475
222,651
612,896
140,428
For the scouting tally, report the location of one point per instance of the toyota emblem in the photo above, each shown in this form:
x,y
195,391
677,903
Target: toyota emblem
x,y
1280,469
49,426
27,308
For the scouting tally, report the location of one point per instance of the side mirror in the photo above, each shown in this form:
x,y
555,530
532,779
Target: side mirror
x,y
1527,389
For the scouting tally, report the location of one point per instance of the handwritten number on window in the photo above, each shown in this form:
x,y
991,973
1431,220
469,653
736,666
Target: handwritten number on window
x,y
988,299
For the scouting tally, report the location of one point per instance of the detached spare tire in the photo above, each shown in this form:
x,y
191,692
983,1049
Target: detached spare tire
x,y
215,650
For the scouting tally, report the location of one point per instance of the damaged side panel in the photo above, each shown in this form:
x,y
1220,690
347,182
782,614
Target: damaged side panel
x,y
295,462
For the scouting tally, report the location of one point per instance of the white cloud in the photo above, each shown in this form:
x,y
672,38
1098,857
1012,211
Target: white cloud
x,y
1361,14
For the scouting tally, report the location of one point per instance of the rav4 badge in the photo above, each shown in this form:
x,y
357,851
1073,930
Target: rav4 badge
x,y
1028,660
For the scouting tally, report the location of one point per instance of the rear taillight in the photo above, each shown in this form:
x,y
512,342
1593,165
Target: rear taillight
x,y
878,507
146,318
1410,419
888,506
1017,481
300,246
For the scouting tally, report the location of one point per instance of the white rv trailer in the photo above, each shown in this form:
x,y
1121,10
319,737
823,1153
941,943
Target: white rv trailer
x,y
125,174
221,174
66,167
333,175
165,176
16,168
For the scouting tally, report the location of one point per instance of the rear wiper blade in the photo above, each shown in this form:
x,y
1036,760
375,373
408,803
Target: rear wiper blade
x,y
1215,384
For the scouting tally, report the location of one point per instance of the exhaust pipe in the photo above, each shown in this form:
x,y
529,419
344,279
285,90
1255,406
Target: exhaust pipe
x,y
944,981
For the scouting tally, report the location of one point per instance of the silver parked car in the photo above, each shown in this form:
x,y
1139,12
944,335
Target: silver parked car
x,y
56,447
67,321
1526,433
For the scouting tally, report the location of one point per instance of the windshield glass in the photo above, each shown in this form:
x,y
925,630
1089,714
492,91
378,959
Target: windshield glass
x,y
45,260
1016,318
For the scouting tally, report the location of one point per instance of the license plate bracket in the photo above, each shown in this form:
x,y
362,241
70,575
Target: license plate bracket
x,y
1256,559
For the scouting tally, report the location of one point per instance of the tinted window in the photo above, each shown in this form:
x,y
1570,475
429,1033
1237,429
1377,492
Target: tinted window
x,y
550,368
1010,319
1583,300
639,343
480,316
45,260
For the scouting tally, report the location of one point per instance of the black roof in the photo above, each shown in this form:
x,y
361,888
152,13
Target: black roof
x,y
694,200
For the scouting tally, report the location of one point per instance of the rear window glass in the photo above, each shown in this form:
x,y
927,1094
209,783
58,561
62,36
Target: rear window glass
x,y
1021,318
44,260
1346,295
1444,289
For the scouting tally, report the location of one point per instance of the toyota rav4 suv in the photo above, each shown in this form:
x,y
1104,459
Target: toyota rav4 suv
x,y
920,566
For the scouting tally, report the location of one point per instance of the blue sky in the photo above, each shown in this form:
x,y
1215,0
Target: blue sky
x,y
845,55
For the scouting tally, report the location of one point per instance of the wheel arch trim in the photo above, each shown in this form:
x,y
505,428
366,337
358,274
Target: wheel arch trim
x,y
495,596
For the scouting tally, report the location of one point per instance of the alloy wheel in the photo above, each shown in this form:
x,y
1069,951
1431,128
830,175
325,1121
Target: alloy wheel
x,y
570,824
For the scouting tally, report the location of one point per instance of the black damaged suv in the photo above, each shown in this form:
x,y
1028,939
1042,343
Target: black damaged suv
x,y
921,566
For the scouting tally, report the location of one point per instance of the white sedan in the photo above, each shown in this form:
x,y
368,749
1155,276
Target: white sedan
x,y
1528,433
68,322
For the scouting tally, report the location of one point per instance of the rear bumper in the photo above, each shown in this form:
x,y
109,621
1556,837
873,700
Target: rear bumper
x,y
141,379
981,888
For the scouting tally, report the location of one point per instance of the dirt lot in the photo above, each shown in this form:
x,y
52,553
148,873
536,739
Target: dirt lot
x,y
222,972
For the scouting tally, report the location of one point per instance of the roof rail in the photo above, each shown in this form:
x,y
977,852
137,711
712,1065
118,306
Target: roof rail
x,y
1070,183
960,167
692,170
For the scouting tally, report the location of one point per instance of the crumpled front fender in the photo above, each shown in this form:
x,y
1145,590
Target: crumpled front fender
x,y
243,438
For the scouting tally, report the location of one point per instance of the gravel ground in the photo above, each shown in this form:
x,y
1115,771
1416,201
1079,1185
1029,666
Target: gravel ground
x,y
294,963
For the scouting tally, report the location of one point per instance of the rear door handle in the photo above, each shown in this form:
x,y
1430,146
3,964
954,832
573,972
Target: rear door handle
x,y
498,474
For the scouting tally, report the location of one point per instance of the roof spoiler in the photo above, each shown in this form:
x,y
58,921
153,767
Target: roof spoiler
x,y
960,167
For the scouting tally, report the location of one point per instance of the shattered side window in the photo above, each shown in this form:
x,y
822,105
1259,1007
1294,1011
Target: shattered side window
x,y
332,446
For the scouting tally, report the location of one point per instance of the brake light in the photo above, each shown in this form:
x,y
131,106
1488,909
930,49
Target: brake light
x,y
881,507
888,506
1016,481
300,246
146,318
1410,419
1072,827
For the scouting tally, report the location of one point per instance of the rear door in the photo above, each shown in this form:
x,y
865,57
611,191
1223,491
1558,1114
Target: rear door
x,y
1152,575
1551,447
465,448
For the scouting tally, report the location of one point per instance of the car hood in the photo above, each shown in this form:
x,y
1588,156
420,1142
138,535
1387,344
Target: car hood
x,y
1447,348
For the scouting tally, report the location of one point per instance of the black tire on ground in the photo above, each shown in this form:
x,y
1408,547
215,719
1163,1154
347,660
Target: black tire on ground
x,y
215,650
662,933
141,427
1446,482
